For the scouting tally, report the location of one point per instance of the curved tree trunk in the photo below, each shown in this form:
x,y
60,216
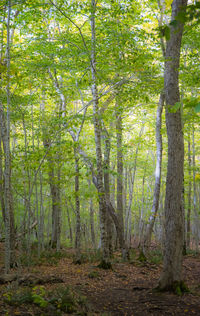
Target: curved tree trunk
x,y
171,276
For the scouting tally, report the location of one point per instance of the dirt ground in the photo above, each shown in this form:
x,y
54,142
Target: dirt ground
x,y
125,290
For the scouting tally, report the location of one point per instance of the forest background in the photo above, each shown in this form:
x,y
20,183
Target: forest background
x,y
83,135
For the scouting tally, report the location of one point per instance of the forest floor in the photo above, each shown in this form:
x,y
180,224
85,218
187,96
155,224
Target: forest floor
x,y
85,289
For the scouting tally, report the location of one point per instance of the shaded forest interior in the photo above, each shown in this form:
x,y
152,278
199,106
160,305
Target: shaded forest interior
x,y
99,157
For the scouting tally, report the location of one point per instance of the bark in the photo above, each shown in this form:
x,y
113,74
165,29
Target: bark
x,y
173,245
131,187
55,197
97,131
2,180
69,224
106,175
77,208
119,164
5,133
91,210
92,229
196,216
154,210
189,194
54,183
141,214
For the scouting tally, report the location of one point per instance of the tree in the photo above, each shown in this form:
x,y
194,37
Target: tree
x,y
171,276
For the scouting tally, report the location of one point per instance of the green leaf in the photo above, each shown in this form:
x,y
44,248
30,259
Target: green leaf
x,y
175,107
167,33
197,108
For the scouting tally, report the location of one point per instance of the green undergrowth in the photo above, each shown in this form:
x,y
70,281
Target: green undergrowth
x,y
192,252
94,275
156,256
46,257
60,300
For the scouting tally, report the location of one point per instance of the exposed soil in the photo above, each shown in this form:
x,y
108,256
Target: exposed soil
x,y
125,290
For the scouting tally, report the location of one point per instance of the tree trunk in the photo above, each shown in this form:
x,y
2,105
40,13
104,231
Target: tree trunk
x,y
106,174
5,132
2,180
77,208
97,131
54,183
196,216
189,193
154,210
131,182
119,164
171,276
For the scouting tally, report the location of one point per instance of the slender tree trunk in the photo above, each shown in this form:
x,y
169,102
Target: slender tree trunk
x,y
119,164
2,180
91,210
131,181
106,174
92,229
196,216
189,193
141,220
97,131
77,208
171,276
154,210
69,224
54,183
9,215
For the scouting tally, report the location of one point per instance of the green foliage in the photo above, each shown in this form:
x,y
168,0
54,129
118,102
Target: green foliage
x,y
18,297
47,257
38,294
197,108
64,299
60,300
156,256
175,107
142,258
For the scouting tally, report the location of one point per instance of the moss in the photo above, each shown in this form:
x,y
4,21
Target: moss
x,y
177,287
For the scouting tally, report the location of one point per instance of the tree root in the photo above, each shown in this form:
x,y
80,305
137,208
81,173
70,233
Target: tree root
x,y
177,287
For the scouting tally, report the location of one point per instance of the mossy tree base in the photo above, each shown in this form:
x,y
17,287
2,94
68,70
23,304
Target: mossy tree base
x,y
106,265
177,287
